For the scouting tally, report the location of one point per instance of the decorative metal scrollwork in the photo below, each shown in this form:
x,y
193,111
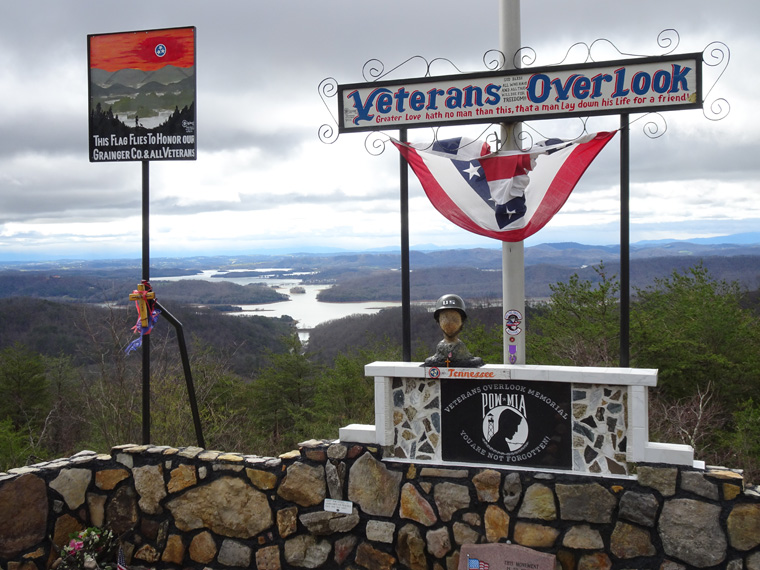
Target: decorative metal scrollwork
x,y
375,143
374,69
580,52
523,139
493,139
582,48
524,57
441,59
716,55
655,125
328,88
494,59
669,38
493,134
524,136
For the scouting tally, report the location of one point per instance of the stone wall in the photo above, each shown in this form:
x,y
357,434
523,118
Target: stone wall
x,y
193,508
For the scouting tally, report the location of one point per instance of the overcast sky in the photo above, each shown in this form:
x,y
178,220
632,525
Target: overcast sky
x,y
263,180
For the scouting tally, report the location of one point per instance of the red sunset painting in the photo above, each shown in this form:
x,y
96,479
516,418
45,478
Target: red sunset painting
x,y
142,50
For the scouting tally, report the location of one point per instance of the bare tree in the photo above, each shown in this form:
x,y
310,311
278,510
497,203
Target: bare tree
x,y
691,420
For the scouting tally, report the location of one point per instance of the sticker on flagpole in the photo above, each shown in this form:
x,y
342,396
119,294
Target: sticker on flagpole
x,y
513,318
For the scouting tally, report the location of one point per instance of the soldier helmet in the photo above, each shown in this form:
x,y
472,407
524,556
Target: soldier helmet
x,y
450,301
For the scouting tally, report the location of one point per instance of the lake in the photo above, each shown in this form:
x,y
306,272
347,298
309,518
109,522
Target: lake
x,y
303,307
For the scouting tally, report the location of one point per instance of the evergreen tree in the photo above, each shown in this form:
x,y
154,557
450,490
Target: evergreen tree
x,y
694,330
743,442
24,386
343,395
579,326
281,397
15,448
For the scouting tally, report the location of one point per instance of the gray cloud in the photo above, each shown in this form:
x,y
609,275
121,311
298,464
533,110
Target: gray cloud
x,y
259,65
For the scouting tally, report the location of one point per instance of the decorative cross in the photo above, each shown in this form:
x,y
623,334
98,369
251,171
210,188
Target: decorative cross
x,y
141,297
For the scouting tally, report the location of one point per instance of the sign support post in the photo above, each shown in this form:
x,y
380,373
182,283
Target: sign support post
x,y
406,301
512,253
146,278
625,237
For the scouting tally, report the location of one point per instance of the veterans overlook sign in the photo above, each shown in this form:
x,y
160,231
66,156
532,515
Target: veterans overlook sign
x,y
633,85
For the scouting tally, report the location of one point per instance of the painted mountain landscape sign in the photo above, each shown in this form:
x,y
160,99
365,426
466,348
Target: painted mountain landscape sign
x,y
142,95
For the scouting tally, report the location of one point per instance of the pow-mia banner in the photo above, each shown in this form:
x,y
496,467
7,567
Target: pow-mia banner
x,y
507,422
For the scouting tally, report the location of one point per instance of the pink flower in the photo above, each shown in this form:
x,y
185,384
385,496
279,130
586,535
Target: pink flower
x,y
75,544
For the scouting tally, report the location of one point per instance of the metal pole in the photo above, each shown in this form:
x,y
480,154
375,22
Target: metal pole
x,y
406,326
146,277
188,374
512,254
625,249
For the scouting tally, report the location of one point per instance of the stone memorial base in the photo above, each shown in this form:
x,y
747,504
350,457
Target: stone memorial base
x,y
575,419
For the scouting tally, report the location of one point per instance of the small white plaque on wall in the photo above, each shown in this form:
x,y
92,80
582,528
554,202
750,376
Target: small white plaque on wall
x,y
336,506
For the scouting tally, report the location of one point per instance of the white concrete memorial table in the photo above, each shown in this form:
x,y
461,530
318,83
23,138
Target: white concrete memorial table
x,y
588,420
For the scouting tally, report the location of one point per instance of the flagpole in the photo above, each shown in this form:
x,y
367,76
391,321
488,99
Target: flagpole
x,y
406,320
512,253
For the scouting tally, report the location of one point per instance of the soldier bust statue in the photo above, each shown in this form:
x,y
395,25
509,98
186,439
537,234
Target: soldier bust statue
x,y
451,352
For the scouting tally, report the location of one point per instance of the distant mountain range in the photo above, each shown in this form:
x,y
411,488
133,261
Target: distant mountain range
x,y
137,78
564,254
475,272
572,254
575,254
747,238
130,92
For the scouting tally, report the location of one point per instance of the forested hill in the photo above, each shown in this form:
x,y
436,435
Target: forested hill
x,y
82,286
474,282
87,334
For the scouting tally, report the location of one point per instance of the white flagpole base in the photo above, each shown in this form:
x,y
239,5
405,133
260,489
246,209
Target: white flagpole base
x,y
513,293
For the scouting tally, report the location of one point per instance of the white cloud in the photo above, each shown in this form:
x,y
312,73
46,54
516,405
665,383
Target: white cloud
x,y
263,178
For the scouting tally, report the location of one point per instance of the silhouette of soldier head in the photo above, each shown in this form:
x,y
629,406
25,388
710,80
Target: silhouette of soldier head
x,y
509,422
